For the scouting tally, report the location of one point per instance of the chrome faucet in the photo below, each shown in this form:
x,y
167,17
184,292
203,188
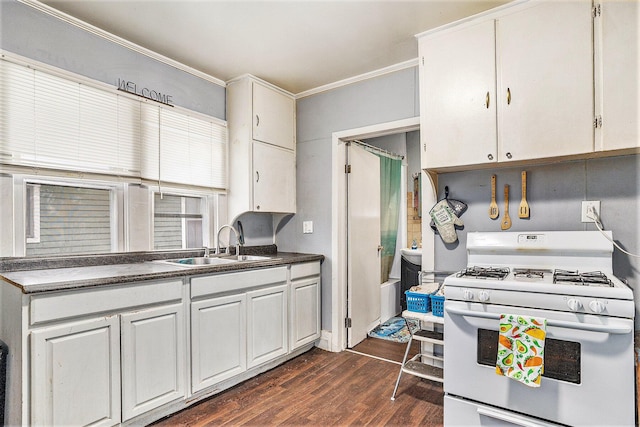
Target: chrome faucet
x,y
206,251
237,239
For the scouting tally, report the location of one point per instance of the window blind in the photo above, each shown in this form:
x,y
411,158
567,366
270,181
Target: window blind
x,y
50,121
184,149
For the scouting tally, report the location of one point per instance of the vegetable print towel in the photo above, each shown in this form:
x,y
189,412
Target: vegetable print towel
x,y
521,348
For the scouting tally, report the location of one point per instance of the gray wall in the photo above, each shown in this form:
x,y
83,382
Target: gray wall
x,y
387,98
30,33
554,194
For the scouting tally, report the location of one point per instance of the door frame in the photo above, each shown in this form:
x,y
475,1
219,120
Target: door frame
x,y
338,337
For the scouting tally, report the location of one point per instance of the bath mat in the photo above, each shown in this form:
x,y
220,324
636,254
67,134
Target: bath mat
x,y
395,329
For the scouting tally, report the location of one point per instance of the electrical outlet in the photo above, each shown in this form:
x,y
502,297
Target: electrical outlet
x,y
588,207
307,227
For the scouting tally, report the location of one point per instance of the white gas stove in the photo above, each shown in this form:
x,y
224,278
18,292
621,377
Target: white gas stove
x,y
567,278
561,270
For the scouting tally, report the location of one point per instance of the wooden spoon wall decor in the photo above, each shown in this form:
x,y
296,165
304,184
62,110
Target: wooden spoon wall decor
x,y
523,210
506,220
493,206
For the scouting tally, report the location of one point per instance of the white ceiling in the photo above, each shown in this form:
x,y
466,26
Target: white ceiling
x,y
297,45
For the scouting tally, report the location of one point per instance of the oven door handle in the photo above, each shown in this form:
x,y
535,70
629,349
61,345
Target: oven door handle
x,y
557,323
509,418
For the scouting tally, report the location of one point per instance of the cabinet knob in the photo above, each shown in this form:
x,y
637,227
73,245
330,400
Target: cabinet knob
x,y
257,120
487,101
257,176
508,96
508,155
490,156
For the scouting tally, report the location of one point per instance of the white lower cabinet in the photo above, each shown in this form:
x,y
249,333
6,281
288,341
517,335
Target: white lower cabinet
x,y
267,324
153,358
218,344
76,373
304,306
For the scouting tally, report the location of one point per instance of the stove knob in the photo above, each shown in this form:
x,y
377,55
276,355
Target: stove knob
x,y
596,306
467,295
483,296
574,304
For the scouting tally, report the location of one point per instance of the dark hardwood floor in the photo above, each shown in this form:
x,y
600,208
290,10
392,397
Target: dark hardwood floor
x,y
321,388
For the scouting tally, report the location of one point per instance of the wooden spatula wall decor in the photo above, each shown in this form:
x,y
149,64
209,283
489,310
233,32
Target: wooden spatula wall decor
x,y
523,210
506,220
493,206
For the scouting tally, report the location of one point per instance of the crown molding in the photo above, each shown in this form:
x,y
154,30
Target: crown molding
x,y
120,41
355,79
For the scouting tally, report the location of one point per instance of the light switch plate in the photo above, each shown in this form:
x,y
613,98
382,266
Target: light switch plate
x,y
307,227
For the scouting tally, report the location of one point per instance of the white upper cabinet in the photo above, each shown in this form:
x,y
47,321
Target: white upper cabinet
x,y
516,84
262,156
617,27
273,116
545,81
458,86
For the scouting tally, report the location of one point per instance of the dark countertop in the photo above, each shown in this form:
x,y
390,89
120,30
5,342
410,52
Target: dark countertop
x,y
51,277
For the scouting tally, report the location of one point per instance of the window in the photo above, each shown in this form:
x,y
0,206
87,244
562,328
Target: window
x,y
66,220
178,221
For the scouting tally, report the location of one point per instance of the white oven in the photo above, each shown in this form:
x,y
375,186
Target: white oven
x,y
589,376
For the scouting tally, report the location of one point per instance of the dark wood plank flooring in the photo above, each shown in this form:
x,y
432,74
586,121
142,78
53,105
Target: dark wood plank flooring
x,y
389,350
322,388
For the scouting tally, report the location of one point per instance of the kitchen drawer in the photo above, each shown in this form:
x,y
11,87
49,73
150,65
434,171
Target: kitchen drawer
x,y
215,284
63,305
307,269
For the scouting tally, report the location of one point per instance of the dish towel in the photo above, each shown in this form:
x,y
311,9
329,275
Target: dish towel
x,y
521,348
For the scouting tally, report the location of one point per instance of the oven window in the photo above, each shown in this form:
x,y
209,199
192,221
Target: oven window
x,y
561,358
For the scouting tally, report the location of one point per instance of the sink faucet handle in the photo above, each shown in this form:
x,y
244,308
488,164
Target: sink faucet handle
x,y
206,252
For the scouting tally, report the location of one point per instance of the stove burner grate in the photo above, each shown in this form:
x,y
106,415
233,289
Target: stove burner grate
x,y
591,278
484,272
529,273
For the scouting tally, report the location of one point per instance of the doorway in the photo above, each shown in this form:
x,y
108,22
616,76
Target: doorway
x,y
338,336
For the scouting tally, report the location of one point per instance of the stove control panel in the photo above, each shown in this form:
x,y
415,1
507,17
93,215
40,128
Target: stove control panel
x,y
545,301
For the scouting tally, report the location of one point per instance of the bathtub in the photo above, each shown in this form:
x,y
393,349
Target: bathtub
x,y
389,299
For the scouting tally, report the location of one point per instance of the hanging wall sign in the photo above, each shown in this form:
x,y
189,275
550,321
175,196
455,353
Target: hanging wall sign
x,y
131,87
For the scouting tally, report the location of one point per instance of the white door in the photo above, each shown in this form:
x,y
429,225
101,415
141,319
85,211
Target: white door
x,y
545,81
218,344
274,179
75,370
363,255
273,117
267,336
153,354
457,89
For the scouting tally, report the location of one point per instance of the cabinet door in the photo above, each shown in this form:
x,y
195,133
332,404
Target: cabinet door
x,y
153,348
620,60
218,340
304,317
273,117
75,374
457,92
267,324
545,81
274,179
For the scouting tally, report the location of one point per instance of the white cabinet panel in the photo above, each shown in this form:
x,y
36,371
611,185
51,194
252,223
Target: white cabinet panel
x,y
76,373
218,340
620,60
273,117
274,187
545,81
267,324
153,352
304,312
458,123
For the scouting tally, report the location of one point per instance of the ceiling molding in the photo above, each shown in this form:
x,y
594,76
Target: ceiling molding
x,y
120,41
370,75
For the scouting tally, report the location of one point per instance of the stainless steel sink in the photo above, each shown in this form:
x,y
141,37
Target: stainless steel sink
x,y
241,258
200,261
215,260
